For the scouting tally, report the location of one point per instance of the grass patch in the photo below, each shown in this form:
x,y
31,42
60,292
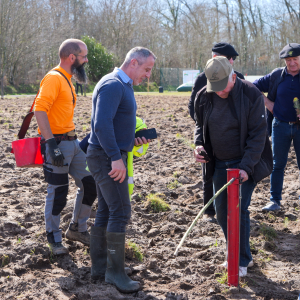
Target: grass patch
x,y
4,260
135,250
286,222
156,203
176,174
158,144
173,184
243,283
264,261
185,141
271,217
222,277
252,247
268,232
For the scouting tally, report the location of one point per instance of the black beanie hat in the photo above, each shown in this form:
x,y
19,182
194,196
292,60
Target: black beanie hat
x,y
224,49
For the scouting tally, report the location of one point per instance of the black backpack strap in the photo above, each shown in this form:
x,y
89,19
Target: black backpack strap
x,y
68,84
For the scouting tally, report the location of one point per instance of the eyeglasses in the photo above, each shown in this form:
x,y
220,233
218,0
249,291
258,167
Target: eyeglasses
x,y
231,57
84,56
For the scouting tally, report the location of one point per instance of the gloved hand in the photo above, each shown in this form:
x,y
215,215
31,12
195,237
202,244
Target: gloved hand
x,y
55,153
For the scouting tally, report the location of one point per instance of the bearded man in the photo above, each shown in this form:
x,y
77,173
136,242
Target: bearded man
x,y
54,111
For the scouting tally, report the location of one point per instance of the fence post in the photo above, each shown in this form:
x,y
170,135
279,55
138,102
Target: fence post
x,y
233,228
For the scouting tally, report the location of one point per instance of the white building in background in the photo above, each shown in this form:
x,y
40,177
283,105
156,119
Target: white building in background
x,y
251,78
190,75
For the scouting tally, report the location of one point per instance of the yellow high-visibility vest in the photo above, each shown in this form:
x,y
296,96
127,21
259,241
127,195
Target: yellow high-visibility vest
x,y
137,151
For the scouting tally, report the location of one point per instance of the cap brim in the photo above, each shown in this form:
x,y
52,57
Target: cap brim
x,y
217,86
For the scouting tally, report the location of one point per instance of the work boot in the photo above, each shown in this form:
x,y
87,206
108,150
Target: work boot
x,y
75,235
58,248
115,273
98,252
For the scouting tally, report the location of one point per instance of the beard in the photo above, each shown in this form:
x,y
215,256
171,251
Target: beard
x,y
78,72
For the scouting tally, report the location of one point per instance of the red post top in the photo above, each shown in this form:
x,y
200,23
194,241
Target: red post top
x,y
234,173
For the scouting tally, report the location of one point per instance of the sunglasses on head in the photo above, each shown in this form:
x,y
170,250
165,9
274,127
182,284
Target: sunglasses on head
x,y
231,57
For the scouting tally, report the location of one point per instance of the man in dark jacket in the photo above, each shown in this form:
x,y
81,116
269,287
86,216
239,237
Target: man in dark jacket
x,y
219,49
231,127
282,85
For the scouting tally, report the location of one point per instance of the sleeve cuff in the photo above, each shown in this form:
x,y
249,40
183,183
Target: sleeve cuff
x,y
116,157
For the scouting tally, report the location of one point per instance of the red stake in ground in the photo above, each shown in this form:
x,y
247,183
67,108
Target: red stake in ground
x,y
233,227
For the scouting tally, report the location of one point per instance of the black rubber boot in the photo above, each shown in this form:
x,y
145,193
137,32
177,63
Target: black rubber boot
x,y
98,252
115,273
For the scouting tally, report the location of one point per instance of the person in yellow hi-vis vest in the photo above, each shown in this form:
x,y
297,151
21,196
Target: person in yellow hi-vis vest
x,y
137,151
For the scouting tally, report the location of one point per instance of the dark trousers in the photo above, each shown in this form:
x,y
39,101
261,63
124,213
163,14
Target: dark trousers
x,y
77,88
208,190
114,208
220,203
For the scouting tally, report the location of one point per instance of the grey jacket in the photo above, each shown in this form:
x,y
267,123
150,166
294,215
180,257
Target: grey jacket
x,y
248,108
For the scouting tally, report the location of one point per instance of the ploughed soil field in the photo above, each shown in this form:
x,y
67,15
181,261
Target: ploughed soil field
x,y
29,271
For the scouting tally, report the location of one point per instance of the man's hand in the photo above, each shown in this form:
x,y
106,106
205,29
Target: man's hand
x,y
56,156
118,170
243,175
268,103
198,157
140,141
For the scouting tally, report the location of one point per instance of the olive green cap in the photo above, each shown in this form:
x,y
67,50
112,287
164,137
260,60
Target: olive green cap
x,y
217,71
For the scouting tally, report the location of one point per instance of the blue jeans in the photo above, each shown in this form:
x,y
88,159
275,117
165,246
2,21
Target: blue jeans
x,y
220,204
282,135
114,208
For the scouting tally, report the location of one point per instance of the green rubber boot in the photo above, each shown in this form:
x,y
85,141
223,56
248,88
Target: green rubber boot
x,y
115,273
98,252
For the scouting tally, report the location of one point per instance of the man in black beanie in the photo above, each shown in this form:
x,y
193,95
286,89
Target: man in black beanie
x,y
219,49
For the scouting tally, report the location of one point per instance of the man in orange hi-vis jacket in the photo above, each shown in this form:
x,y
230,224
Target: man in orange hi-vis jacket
x,y
54,111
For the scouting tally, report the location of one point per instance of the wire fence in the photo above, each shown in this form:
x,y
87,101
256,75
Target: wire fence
x,y
171,78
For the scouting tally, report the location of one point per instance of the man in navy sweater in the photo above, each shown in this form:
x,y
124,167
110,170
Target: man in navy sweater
x,y
113,125
282,86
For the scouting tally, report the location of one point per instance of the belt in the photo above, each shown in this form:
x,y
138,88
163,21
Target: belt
x,y
290,123
297,122
63,137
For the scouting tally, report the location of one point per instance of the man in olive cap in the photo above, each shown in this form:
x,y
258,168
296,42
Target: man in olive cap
x,y
282,86
231,128
228,51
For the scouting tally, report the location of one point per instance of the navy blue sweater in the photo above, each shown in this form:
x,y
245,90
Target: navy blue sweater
x,y
287,90
113,115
